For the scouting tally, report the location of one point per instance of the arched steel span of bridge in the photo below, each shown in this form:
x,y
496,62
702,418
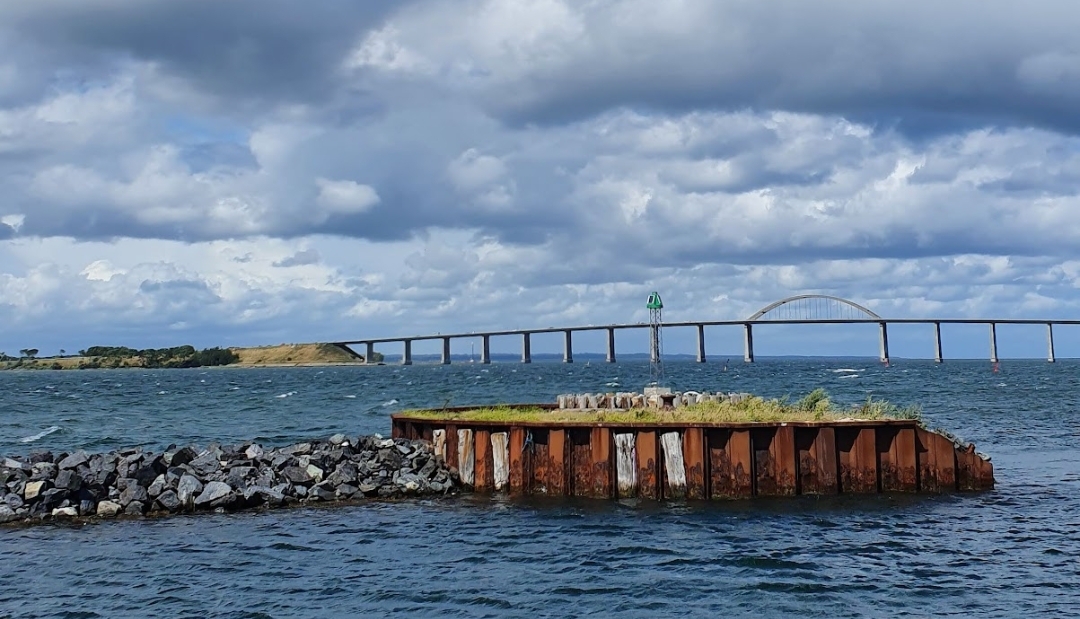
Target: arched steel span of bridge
x,y
800,309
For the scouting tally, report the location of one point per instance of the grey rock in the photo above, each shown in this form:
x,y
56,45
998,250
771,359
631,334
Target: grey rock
x,y
74,460
322,492
187,489
40,456
315,472
16,465
7,514
65,512
213,491
300,491
135,508
338,439
300,449
404,449
145,475
238,476
345,491
205,464
134,492
169,501
68,480
296,475
108,509
52,498
157,487
182,456
43,470
369,487
87,508
254,452
13,501
270,495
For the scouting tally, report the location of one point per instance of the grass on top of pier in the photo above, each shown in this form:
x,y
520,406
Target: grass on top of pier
x,y
815,406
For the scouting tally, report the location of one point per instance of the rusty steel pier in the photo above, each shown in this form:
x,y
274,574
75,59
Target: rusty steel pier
x,y
699,460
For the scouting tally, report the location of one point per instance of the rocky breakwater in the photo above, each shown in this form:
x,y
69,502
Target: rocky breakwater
x,y
133,482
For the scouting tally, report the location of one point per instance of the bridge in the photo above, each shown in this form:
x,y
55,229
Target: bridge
x,y
812,309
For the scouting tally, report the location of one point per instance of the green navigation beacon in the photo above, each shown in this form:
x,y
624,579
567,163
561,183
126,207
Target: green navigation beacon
x,y
656,342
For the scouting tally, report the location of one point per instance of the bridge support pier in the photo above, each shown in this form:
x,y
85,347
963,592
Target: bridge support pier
x,y
568,347
526,348
884,342
1050,342
701,343
485,350
937,343
369,353
610,345
993,343
748,342
406,356
445,357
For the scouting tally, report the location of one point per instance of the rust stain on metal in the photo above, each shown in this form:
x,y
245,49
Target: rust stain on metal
x,y
973,472
600,459
896,451
816,448
485,477
694,457
742,458
937,462
397,428
556,468
858,460
782,451
711,462
517,459
580,462
647,465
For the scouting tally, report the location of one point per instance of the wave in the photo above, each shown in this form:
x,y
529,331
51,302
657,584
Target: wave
x,y
849,376
390,402
351,397
845,370
285,395
40,435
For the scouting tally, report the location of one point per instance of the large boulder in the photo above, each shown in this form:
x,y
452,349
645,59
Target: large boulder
x,y
170,501
214,493
187,489
296,475
134,492
182,456
74,460
68,480
34,489
108,509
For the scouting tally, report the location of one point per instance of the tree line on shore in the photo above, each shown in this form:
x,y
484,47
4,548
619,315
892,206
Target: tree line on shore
x,y
121,356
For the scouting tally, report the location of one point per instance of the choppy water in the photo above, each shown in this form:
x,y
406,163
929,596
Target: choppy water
x,y
999,554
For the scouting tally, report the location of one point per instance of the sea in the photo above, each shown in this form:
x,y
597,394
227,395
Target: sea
x,y
1010,552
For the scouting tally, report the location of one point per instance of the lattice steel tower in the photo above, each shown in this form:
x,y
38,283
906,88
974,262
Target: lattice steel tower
x,y
656,343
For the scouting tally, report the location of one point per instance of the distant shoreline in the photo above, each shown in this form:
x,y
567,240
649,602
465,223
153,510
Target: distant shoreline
x,y
281,355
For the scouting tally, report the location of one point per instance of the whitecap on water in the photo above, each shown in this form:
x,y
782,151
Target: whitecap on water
x,y
611,384
285,395
390,402
843,370
40,435
351,397
849,376
162,392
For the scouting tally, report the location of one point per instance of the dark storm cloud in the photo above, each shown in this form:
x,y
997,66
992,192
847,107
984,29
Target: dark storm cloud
x,y
277,50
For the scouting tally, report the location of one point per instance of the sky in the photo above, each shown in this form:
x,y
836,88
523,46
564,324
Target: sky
x,y
263,171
